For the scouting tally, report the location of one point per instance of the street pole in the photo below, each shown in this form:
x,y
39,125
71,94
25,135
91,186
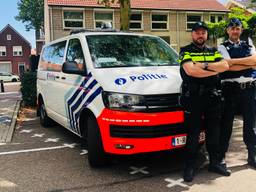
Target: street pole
x,y
2,85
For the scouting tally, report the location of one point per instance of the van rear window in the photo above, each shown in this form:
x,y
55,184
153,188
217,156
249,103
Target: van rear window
x,y
130,51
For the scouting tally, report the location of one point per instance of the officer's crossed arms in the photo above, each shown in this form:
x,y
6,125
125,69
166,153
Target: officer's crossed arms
x,y
242,63
204,69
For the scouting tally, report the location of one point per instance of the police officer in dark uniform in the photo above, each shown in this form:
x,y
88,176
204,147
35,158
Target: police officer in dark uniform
x,y
201,99
238,87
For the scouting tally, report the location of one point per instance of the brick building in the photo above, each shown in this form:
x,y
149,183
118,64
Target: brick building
x,y
169,19
14,51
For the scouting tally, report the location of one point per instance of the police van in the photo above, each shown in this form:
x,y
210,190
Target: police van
x,y
118,91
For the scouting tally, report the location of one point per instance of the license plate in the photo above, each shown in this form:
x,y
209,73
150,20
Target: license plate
x,y
178,141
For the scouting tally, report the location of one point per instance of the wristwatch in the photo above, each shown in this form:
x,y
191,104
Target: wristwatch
x,y
205,65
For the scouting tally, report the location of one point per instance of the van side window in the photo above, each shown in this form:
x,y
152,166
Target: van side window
x,y
53,57
75,54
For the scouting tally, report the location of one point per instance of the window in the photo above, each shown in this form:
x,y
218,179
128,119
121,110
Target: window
x,y
159,21
75,54
136,21
191,19
73,19
2,51
103,17
9,37
129,51
17,51
53,57
216,18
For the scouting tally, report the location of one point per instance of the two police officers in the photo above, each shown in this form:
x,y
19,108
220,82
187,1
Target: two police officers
x,y
238,87
201,99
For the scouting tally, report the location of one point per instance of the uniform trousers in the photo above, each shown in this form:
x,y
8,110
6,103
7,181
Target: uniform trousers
x,y
202,108
242,100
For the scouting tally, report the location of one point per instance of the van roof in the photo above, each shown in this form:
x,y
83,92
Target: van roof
x,y
76,31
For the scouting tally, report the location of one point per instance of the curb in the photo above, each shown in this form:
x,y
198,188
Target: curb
x,y
14,118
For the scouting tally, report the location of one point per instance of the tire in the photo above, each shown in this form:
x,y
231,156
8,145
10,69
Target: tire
x,y
45,121
14,80
96,155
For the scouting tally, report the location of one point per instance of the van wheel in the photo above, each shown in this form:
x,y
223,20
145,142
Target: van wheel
x,y
14,80
45,121
96,154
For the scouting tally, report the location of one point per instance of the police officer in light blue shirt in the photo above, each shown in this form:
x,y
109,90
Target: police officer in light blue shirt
x,y
238,86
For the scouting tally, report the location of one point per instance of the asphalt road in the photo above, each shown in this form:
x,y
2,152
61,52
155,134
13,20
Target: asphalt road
x,y
52,160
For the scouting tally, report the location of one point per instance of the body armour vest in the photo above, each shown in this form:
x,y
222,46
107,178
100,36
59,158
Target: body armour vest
x,y
237,51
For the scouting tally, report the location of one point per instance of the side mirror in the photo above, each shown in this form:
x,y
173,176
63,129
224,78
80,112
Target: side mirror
x,y
71,67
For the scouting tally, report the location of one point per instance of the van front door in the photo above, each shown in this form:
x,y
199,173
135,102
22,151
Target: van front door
x,y
73,90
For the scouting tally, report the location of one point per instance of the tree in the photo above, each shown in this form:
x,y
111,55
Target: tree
x,y
217,30
125,7
31,12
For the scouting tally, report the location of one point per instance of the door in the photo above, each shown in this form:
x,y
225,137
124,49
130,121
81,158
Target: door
x,y
54,57
70,85
21,69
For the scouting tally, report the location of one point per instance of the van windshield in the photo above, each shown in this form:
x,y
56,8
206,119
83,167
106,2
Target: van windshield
x,y
130,51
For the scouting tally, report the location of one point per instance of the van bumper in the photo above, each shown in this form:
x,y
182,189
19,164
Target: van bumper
x,y
134,132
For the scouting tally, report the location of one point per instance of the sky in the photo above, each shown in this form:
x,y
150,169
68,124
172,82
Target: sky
x,y
8,10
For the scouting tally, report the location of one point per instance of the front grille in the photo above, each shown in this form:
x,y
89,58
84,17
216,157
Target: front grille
x,y
165,102
147,131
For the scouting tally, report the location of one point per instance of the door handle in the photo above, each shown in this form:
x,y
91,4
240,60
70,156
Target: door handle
x,y
63,78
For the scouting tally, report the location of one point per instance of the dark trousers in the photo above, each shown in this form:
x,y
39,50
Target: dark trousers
x,y
244,99
202,110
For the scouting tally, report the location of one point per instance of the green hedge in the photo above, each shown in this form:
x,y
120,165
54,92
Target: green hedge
x,y
28,88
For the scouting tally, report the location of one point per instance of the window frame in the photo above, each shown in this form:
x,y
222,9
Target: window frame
x,y
80,20
103,11
1,52
137,21
19,53
216,15
9,37
192,22
159,13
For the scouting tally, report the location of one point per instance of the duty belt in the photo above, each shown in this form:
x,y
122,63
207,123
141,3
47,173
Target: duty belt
x,y
242,85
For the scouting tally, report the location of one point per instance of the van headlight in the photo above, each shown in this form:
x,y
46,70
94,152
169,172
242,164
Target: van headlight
x,y
125,102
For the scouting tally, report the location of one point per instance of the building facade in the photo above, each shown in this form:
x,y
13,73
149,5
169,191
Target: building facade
x,y
14,51
170,19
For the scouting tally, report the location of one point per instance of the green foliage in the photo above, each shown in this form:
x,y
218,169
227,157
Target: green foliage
x,y
252,24
28,88
31,12
218,30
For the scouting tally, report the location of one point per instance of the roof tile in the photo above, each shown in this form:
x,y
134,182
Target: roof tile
x,y
207,5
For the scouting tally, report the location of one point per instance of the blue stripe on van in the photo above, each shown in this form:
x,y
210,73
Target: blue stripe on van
x,y
74,96
88,101
73,102
78,90
73,106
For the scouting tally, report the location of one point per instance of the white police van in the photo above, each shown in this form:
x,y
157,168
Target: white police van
x,y
119,91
